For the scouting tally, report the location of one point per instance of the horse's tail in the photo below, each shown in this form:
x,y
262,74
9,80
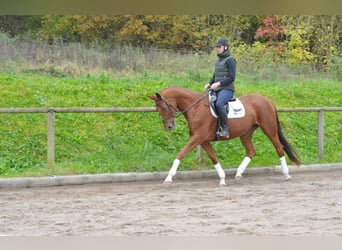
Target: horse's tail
x,y
292,154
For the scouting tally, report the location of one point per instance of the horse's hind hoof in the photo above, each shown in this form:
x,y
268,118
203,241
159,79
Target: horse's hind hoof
x,y
238,177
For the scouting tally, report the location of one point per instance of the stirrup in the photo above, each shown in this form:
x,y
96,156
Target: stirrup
x,y
223,133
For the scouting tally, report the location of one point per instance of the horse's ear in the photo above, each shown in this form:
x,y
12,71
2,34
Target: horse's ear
x,y
152,97
157,97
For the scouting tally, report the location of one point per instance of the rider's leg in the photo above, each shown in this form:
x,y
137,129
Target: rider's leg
x,y
223,96
222,112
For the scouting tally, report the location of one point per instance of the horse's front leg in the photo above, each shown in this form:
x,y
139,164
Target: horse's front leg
x,y
192,143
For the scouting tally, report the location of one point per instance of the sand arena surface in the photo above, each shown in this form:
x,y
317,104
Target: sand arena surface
x,y
260,204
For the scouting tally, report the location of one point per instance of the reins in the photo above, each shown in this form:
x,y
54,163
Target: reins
x,y
191,105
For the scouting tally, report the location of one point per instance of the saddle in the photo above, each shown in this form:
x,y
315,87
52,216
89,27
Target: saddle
x,y
235,108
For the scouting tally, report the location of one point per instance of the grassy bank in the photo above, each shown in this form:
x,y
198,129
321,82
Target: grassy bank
x,y
35,74
126,142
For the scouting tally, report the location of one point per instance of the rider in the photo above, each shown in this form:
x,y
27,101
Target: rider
x,y
222,82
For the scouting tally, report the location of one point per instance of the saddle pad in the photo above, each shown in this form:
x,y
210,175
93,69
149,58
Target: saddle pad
x,y
236,109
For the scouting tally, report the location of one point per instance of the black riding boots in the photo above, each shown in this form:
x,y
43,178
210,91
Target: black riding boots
x,y
222,112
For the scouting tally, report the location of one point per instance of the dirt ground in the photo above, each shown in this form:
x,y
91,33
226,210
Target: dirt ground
x,y
310,204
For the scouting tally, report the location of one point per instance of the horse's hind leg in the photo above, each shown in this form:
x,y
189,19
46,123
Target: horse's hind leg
x,y
284,168
272,133
209,149
246,141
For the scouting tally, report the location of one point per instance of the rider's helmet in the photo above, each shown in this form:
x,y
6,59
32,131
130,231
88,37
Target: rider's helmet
x,y
221,42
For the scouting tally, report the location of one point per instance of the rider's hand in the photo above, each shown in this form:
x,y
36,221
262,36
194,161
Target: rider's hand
x,y
215,85
207,86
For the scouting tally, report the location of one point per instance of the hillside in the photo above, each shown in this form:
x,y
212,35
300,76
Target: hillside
x,y
125,142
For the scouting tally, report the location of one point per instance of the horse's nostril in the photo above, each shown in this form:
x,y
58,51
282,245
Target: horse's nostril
x,y
170,126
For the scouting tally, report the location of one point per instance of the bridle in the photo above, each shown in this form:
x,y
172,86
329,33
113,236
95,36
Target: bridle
x,y
172,110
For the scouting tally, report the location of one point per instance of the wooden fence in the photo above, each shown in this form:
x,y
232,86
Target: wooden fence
x,y
51,122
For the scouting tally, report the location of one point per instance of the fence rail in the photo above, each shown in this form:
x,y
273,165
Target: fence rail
x,y
76,110
51,121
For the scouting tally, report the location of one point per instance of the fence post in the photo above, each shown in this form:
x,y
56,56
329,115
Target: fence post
x,y
51,139
199,154
320,142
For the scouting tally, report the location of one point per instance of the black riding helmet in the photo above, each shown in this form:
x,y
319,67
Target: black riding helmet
x,y
221,42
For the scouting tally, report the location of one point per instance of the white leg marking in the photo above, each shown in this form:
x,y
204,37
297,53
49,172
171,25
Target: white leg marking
x,y
221,174
284,168
172,171
242,167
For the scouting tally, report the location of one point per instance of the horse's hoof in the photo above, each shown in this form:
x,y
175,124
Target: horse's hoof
x,y
288,177
223,183
166,182
238,177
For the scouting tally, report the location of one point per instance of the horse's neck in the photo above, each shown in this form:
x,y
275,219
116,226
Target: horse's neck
x,y
185,100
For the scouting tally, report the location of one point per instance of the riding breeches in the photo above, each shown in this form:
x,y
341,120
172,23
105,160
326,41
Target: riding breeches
x,y
223,96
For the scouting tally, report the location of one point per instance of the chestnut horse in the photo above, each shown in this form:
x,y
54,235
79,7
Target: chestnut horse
x,y
259,112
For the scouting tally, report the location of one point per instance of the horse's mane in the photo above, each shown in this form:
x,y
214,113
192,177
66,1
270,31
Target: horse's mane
x,y
179,88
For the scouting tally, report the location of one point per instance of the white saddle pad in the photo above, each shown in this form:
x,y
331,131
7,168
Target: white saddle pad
x,y
236,110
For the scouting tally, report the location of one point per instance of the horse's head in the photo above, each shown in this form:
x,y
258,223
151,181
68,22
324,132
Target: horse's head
x,y
166,110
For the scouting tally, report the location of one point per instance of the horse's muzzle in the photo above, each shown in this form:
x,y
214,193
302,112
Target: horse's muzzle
x,y
170,125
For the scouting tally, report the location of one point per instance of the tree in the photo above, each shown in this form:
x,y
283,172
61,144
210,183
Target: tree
x,y
13,25
314,38
270,30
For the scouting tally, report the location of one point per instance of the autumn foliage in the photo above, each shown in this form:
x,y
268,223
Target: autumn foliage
x,y
298,39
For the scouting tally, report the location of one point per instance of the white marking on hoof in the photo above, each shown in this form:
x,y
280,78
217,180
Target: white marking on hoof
x,y
167,182
223,182
238,177
288,177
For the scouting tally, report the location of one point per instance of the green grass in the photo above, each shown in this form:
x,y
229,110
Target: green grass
x,y
137,142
